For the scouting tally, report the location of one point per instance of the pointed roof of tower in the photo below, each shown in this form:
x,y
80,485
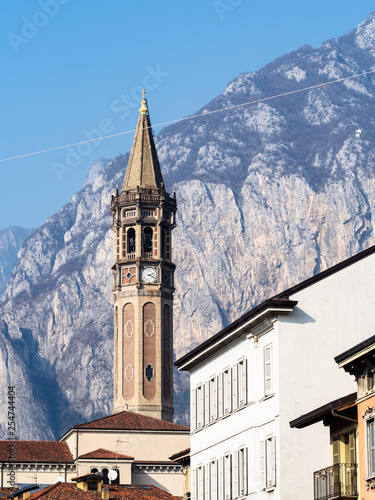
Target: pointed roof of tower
x,y
143,168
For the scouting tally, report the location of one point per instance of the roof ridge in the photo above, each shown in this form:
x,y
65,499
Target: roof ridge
x,y
29,441
137,415
41,493
324,274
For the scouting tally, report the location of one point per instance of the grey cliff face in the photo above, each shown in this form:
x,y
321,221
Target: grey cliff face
x,y
10,243
268,194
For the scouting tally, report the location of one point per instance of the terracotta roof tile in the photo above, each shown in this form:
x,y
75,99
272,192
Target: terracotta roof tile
x,y
36,451
128,420
69,491
180,454
5,492
103,453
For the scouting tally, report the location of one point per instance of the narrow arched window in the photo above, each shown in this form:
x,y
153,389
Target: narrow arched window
x,y
105,476
147,244
117,480
131,240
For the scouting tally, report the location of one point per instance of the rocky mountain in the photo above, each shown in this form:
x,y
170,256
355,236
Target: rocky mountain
x,y
10,243
268,194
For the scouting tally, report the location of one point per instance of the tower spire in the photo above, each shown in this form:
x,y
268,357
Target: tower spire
x,y
143,168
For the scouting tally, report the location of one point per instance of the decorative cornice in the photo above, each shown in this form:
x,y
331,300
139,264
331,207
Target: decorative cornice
x,y
370,483
369,413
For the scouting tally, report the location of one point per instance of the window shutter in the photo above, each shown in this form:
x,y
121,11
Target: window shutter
x,y
214,403
214,481
268,370
207,482
201,482
193,410
235,474
262,465
227,477
336,449
194,485
201,406
244,468
243,395
206,403
220,394
228,389
352,454
272,475
371,441
221,480
234,387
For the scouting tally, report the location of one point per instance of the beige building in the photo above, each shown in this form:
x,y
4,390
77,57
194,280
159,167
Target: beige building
x,y
128,447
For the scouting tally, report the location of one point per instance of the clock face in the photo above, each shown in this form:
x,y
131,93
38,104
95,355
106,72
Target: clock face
x,y
149,275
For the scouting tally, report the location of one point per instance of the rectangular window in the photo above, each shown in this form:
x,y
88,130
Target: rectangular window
x,y
130,213
200,483
227,391
213,399
213,480
242,471
221,480
370,448
206,403
147,213
227,469
370,382
200,406
267,370
220,394
235,387
194,410
268,463
242,382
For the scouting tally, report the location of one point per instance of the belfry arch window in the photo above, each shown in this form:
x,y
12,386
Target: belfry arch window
x,y
105,476
147,242
130,244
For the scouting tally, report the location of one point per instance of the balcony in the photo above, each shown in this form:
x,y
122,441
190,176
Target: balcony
x,y
337,481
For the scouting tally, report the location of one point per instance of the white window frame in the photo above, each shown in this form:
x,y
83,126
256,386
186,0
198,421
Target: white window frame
x,y
227,476
200,482
268,463
213,481
242,382
235,387
220,394
242,471
194,410
206,404
227,391
213,399
268,369
370,439
200,406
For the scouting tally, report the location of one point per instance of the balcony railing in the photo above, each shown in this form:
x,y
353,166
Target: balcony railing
x,y
337,481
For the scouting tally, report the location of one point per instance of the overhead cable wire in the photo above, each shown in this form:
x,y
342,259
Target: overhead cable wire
x,y
205,113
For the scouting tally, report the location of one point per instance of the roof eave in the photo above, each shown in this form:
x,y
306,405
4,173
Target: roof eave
x,y
266,309
318,414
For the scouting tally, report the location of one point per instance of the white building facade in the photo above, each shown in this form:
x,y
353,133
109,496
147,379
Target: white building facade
x,y
273,364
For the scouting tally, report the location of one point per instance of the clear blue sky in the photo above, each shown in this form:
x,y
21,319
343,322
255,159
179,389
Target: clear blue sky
x,y
67,64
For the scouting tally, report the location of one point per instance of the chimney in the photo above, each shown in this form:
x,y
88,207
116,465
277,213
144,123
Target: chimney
x,y
105,493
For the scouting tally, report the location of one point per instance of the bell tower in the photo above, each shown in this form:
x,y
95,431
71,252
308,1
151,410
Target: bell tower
x,y
143,217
